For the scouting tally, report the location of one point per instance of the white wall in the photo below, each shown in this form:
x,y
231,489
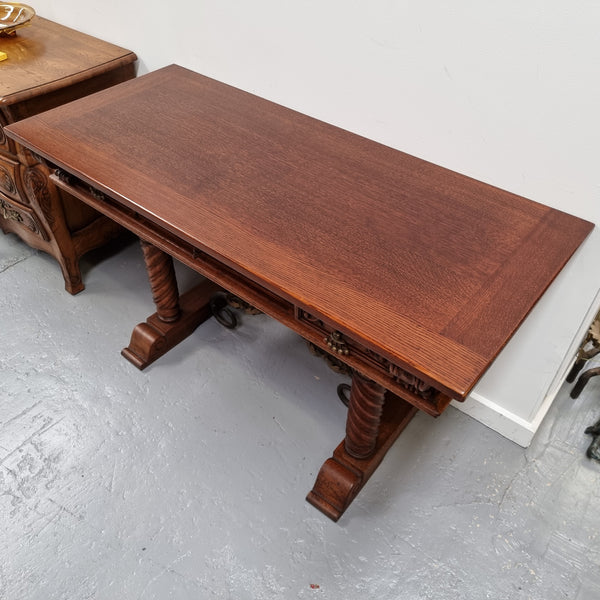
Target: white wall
x,y
506,92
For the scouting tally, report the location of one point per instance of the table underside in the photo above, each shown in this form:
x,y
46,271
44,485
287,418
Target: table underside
x,y
383,399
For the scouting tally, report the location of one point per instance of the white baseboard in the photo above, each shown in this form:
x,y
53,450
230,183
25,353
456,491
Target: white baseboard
x,y
504,422
512,426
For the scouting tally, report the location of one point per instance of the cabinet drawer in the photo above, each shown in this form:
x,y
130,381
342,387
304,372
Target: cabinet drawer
x,y
21,216
8,177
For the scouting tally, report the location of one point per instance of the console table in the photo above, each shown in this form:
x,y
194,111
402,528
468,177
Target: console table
x,y
411,276
48,65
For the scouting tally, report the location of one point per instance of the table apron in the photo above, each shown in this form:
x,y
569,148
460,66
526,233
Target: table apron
x,y
325,336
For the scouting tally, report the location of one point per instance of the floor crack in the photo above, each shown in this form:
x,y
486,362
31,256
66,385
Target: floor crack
x,y
10,265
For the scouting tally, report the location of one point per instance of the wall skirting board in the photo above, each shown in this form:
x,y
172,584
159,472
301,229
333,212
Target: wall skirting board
x,y
514,427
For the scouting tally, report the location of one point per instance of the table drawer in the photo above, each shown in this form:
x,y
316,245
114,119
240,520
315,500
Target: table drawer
x,y
343,349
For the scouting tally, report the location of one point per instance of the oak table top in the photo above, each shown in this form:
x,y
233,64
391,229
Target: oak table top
x,y
434,269
410,275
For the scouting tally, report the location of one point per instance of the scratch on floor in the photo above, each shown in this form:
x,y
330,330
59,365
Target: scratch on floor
x,y
22,413
40,431
167,569
280,425
4,268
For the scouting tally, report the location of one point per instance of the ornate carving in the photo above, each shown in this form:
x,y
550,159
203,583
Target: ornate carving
x,y
342,347
336,342
96,193
162,282
64,176
6,181
411,382
239,304
8,212
333,362
28,220
36,186
364,416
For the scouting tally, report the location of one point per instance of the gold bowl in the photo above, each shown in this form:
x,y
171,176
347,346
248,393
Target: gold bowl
x,y
14,15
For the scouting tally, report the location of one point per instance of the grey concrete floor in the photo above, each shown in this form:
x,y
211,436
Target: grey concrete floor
x,y
188,480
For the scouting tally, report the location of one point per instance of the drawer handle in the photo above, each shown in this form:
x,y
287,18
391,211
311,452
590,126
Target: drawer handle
x,y
8,212
335,341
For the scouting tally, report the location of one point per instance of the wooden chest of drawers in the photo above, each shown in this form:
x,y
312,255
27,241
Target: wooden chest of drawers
x,y
48,65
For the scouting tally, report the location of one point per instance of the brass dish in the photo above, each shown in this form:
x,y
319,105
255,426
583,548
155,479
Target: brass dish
x,y
14,15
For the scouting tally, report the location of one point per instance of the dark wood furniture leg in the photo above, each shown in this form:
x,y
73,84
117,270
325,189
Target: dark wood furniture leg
x,y
376,417
176,316
583,380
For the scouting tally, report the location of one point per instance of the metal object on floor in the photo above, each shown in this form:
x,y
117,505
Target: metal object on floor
x,y
589,348
593,450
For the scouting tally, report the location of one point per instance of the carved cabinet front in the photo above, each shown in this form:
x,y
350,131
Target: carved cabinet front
x,y
35,78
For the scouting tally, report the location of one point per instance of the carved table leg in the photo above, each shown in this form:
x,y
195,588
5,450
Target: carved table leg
x,y
163,282
375,420
176,317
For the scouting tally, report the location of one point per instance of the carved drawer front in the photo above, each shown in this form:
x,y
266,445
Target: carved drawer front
x,y
22,216
344,350
8,177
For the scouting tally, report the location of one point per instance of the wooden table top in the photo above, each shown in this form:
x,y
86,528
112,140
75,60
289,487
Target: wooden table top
x,y
45,56
430,268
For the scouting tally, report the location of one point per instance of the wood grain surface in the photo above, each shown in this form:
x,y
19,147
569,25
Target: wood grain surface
x,y
46,56
430,268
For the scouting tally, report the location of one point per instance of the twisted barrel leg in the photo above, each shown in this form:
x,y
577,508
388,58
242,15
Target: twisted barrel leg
x,y
176,316
163,282
364,416
375,419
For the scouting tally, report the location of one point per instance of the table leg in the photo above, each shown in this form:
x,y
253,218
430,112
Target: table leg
x,y
176,316
375,419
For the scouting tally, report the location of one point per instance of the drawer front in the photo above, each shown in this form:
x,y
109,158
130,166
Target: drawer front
x,y
21,216
8,177
343,349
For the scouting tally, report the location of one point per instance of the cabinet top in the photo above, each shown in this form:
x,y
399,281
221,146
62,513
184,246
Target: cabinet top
x,y
46,56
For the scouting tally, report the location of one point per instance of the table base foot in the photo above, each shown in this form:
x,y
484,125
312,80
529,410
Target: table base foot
x,y
342,476
150,340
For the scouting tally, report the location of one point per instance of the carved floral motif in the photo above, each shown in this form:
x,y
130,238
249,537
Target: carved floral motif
x,y
36,185
10,213
343,347
6,181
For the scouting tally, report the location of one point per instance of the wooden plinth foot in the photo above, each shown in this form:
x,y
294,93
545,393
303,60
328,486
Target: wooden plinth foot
x,y
155,337
343,476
